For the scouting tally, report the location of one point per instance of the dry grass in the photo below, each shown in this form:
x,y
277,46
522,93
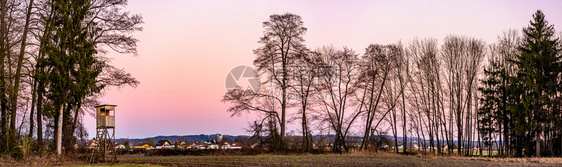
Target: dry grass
x,y
44,160
351,159
548,160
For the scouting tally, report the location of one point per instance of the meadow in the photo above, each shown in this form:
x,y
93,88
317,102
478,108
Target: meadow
x,y
350,159
353,159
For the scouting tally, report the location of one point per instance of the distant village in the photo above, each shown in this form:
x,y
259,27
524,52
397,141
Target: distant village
x,y
219,143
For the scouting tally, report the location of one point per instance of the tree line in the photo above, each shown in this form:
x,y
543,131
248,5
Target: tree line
x,y
459,96
53,67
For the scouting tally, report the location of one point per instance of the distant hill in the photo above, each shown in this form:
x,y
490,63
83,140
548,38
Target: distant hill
x,y
174,138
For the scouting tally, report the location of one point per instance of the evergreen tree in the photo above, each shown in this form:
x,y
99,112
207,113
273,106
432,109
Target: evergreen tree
x,y
490,103
535,84
493,116
70,56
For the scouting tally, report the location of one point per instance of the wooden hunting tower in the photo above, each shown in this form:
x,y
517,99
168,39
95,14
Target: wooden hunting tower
x,y
105,116
105,131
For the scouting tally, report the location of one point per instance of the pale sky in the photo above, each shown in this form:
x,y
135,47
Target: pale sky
x,y
188,47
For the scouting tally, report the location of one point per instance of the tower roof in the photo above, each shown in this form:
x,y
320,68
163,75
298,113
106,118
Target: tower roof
x,y
105,105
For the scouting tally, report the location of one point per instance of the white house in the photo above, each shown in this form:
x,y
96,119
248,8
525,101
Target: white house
x,y
163,144
224,145
235,146
212,146
120,147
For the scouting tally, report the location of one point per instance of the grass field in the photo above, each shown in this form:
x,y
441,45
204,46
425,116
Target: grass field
x,y
352,159
332,160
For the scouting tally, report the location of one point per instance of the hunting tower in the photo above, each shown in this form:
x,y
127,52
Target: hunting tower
x,y
105,131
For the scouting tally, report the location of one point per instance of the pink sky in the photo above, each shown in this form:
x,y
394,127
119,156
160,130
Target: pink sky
x,y
188,47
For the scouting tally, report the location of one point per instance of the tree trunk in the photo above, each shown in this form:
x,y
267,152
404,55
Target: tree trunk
x,y
59,131
479,139
283,108
283,103
75,121
304,129
538,144
39,115
33,101
3,48
371,110
284,63
15,91
506,136
436,119
405,135
430,128
32,113
395,131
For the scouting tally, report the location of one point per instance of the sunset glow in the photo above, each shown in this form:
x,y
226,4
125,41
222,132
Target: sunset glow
x,y
187,48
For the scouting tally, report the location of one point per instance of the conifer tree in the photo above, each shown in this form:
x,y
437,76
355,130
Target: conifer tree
x,y
535,83
73,66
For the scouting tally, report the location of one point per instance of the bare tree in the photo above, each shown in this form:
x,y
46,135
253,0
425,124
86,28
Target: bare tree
x,y
18,73
374,71
336,87
282,42
394,90
3,55
402,72
475,54
12,33
462,57
453,52
305,72
423,87
376,68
